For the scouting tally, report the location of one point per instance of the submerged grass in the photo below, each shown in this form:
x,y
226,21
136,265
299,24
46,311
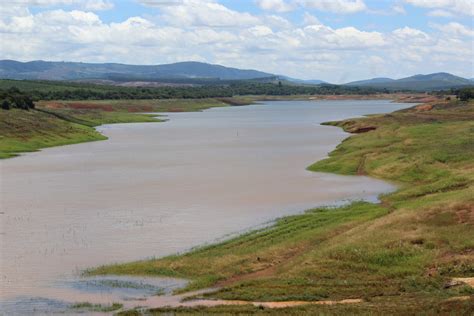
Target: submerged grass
x,y
89,307
397,255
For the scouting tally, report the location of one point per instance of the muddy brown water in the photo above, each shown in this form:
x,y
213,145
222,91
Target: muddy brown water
x,y
154,189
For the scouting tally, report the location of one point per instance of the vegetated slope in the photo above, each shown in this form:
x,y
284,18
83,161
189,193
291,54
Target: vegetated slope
x,y
63,90
370,81
55,123
303,81
398,256
45,70
23,131
435,81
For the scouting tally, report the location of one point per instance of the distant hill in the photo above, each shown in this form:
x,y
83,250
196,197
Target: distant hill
x,y
370,81
45,70
302,81
435,81
197,73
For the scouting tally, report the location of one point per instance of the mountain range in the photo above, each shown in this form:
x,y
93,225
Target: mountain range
x,y
434,81
47,70
198,72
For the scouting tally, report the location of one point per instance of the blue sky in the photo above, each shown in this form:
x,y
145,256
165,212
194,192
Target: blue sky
x,y
332,40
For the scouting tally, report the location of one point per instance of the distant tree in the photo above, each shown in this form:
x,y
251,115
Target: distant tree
x,y
13,90
465,94
14,98
39,90
29,103
5,105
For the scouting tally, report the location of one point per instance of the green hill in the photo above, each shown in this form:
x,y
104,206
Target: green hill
x,y
49,70
434,81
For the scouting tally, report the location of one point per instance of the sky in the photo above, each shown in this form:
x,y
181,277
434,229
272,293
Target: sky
x,y
333,40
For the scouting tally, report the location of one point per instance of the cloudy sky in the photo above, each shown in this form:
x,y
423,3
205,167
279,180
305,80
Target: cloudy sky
x,y
332,40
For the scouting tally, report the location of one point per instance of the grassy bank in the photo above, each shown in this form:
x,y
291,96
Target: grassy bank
x,y
55,123
397,256
24,131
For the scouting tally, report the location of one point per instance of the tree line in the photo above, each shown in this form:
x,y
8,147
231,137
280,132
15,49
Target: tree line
x,y
465,94
64,91
14,98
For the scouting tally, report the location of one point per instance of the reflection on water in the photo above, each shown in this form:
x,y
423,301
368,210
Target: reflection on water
x,y
125,287
154,189
102,290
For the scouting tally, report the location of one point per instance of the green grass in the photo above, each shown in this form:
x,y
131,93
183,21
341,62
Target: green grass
x,y
86,306
378,306
56,123
134,106
24,131
53,127
396,255
43,85
253,251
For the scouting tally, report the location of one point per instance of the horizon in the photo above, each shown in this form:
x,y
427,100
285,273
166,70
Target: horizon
x,y
337,42
250,69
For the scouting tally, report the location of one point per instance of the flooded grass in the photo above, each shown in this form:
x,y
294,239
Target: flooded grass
x,y
254,251
89,307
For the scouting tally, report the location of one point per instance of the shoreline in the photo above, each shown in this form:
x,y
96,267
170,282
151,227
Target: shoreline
x,y
390,204
334,143
53,124
268,225
388,208
73,122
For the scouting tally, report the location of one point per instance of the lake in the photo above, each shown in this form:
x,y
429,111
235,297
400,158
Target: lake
x,y
153,189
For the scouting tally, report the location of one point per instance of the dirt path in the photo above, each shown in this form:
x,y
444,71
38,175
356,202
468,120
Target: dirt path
x,y
467,281
189,300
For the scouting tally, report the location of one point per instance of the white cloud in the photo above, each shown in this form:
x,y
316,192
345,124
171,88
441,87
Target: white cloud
x,y
97,5
336,6
454,29
208,31
159,3
352,37
440,13
40,2
309,19
276,22
92,5
376,60
410,41
458,6
58,17
399,9
260,30
205,13
408,33
274,5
